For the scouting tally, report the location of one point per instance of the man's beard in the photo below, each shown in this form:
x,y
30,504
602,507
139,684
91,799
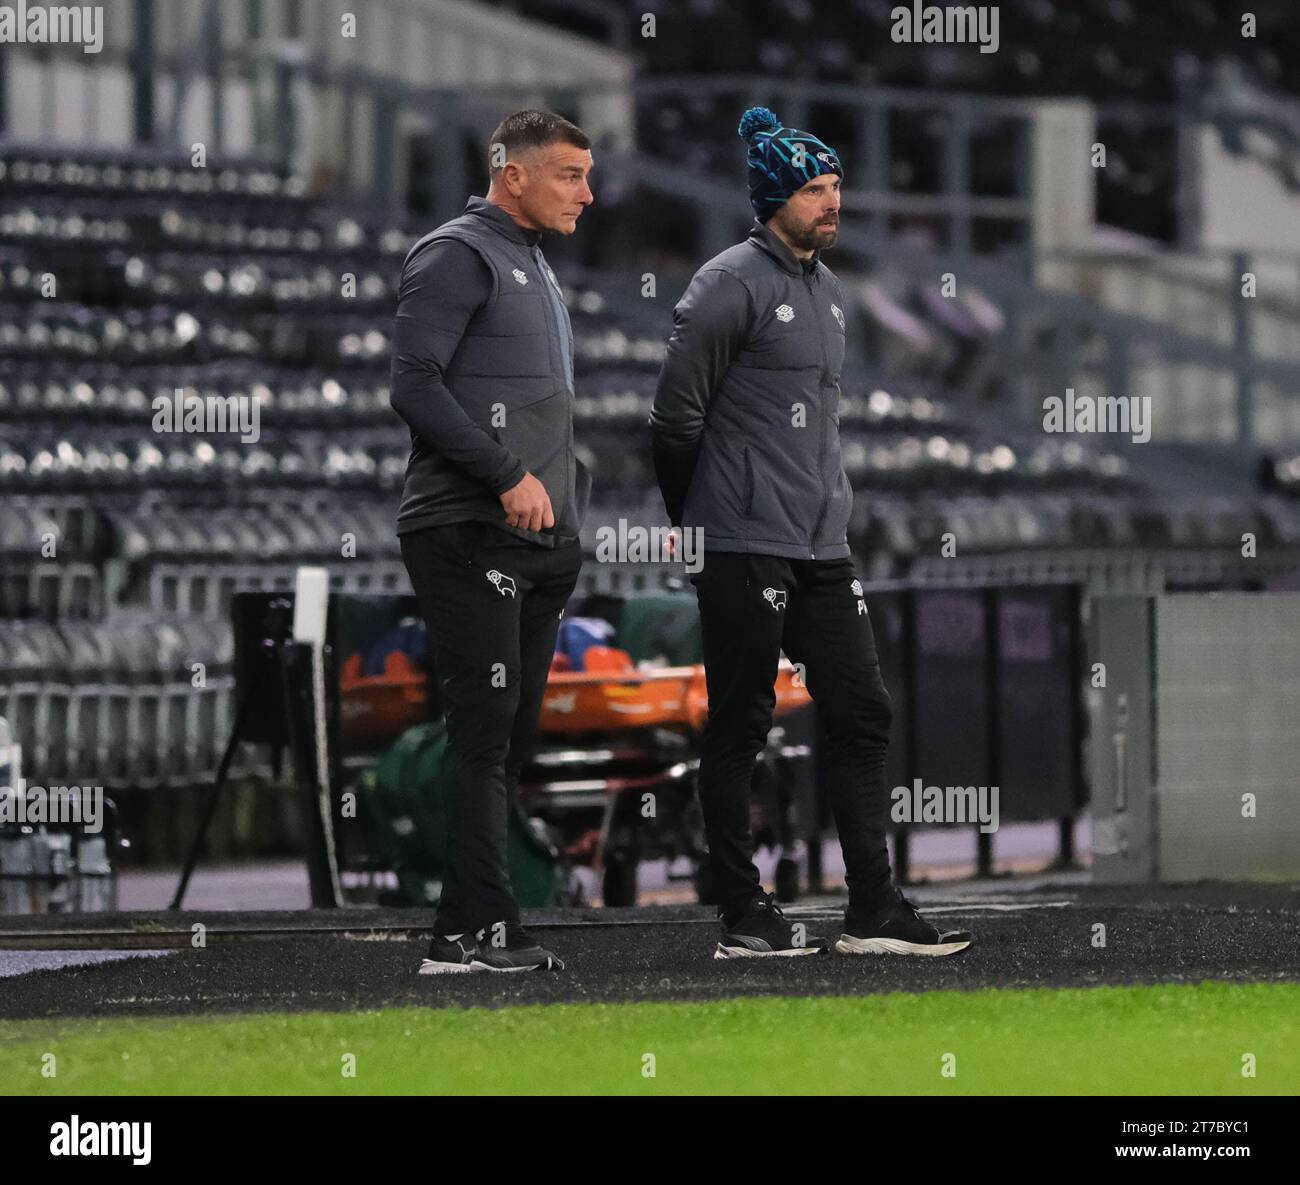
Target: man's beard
x,y
813,237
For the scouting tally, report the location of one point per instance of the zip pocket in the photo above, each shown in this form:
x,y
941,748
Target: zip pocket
x,y
471,533
749,483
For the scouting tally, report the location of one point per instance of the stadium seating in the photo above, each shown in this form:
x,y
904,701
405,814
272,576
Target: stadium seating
x,y
1127,58
121,545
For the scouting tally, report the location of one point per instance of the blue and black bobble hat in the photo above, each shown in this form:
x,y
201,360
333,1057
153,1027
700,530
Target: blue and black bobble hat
x,y
773,153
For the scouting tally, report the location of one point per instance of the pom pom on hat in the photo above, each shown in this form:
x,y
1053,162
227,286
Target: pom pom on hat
x,y
757,119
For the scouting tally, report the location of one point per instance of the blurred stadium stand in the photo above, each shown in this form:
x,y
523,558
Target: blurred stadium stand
x,y
269,275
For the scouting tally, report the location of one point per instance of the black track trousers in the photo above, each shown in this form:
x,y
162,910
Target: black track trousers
x,y
492,604
752,607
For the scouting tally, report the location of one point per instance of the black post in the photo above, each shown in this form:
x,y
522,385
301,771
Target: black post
x,y
214,48
993,720
902,855
384,130
902,837
143,72
873,163
956,177
214,795
1078,728
1065,846
1243,351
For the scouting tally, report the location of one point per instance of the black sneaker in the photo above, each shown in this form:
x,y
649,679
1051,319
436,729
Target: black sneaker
x,y
895,928
762,931
450,954
507,946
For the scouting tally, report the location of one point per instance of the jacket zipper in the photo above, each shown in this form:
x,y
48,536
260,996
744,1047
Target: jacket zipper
x,y
821,444
551,320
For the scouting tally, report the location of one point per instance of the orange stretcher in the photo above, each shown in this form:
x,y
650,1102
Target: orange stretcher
x,y
610,701
377,709
610,696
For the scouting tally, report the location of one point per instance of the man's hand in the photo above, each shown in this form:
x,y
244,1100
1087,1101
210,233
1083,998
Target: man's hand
x,y
528,505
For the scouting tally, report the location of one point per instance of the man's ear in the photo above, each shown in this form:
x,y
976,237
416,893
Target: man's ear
x,y
512,177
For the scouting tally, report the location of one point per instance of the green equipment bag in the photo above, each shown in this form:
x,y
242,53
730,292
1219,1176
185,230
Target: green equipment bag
x,y
662,625
405,799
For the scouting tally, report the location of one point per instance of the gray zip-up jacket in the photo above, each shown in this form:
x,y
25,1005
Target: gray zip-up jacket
x,y
746,414
483,375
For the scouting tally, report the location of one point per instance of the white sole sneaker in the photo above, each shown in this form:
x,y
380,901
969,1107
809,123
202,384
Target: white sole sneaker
x,y
848,945
743,952
433,967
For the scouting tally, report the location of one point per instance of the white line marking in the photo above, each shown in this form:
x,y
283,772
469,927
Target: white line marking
x,y
24,962
998,907
820,911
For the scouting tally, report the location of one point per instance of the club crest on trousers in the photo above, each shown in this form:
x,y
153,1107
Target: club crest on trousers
x,y
505,585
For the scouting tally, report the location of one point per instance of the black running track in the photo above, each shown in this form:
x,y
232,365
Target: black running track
x,y
360,959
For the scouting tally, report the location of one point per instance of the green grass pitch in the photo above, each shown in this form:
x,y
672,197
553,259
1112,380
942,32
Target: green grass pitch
x,y
1168,1039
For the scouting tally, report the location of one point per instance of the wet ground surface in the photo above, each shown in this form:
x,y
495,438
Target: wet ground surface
x,y
348,960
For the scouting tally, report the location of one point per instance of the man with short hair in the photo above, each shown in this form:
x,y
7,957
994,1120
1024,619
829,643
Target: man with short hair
x,y
746,443
492,504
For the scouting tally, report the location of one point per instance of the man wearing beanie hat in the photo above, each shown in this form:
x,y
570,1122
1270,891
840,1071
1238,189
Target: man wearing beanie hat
x,y
746,445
